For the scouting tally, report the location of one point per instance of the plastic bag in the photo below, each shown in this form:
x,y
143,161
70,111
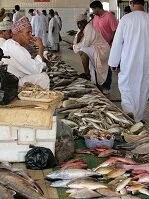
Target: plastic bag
x,y
39,158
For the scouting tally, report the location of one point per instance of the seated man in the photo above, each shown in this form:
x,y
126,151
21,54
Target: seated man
x,y
5,31
21,64
93,49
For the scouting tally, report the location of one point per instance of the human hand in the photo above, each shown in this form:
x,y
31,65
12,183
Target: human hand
x,y
37,42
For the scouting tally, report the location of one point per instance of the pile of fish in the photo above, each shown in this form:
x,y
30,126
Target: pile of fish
x,y
114,177
85,108
15,182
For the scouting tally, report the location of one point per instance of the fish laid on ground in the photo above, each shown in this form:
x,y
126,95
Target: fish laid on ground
x,y
144,167
104,170
144,179
18,184
6,193
144,191
69,123
141,149
132,138
134,188
84,194
115,173
136,127
123,184
88,182
68,174
121,197
60,183
73,106
108,192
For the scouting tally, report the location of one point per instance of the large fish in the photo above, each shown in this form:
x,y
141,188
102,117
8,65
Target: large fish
x,y
6,193
84,194
18,184
141,149
68,174
88,182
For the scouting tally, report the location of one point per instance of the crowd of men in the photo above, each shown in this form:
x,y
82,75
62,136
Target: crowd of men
x,y
102,43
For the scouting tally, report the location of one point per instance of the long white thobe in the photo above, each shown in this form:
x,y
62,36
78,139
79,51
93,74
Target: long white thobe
x,y
53,33
45,24
23,66
130,48
94,45
16,16
37,26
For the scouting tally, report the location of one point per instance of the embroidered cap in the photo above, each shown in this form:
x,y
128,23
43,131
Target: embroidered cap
x,y
20,25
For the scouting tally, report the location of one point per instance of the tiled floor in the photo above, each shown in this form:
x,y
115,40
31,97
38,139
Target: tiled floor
x,y
74,60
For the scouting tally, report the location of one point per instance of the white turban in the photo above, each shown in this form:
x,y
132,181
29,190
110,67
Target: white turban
x,y
81,17
5,25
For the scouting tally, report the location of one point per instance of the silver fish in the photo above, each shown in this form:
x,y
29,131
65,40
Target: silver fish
x,y
84,194
60,183
68,174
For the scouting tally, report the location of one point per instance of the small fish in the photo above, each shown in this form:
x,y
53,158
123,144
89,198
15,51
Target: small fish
x,y
135,187
144,167
144,179
60,183
84,194
116,172
144,191
108,192
141,149
136,127
104,170
68,174
123,184
88,182
69,123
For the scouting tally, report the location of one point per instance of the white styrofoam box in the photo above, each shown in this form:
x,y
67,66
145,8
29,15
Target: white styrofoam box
x,y
15,141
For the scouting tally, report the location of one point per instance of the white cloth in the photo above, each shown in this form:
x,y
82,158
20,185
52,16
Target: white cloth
x,y
23,66
45,24
37,26
130,48
53,33
59,21
94,45
16,16
2,40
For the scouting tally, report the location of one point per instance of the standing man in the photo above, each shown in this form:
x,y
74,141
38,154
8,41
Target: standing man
x,y
2,14
106,23
45,24
53,32
17,15
37,26
130,48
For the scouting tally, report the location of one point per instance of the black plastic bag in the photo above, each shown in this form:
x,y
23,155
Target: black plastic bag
x,y
39,158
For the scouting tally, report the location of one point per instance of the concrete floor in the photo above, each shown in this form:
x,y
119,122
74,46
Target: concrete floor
x,y
74,60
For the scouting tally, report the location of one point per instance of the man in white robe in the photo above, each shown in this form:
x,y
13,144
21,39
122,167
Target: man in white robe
x,y
5,31
130,48
17,15
94,50
20,63
53,32
37,26
45,24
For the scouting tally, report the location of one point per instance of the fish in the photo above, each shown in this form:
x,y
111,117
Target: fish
x,y
115,173
121,197
144,178
68,102
67,174
135,187
141,149
132,138
144,167
18,184
69,123
136,127
88,182
72,106
60,183
144,191
108,192
123,184
104,170
84,194
6,193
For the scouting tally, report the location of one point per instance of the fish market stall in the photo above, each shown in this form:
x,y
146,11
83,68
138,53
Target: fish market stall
x,y
111,157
